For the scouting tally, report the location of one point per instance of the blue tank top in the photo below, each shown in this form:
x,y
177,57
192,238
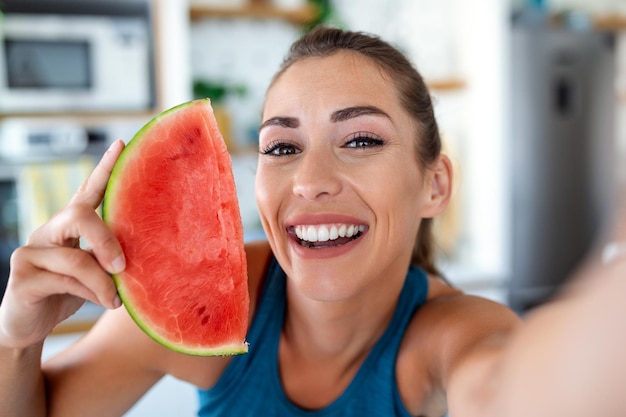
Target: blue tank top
x,y
251,386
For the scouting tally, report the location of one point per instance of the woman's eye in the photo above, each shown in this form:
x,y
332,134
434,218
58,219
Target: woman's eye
x,y
280,149
363,141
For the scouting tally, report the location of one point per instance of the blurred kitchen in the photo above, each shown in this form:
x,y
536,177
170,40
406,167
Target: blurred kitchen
x,y
530,96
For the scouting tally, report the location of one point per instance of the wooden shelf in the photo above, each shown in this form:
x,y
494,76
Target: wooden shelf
x,y
85,116
255,10
446,85
613,22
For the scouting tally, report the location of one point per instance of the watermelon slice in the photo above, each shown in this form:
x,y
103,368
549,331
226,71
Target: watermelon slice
x,y
172,203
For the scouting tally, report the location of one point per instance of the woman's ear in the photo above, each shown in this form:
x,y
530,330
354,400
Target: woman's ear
x,y
440,177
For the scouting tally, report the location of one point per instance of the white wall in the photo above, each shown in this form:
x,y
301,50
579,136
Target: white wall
x,y
482,46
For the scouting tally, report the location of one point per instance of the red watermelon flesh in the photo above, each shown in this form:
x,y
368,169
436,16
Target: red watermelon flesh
x,y
171,201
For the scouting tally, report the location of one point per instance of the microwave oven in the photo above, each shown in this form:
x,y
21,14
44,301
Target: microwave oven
x,y
68,59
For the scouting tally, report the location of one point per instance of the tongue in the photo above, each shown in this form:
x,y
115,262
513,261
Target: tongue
x,y
328,244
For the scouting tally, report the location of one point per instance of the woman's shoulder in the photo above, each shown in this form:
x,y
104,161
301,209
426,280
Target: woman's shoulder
x,y
445,302
457,320
447,327
258,255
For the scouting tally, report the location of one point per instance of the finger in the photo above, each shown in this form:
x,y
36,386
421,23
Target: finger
x,y
44,283
66,271
91,191
81,221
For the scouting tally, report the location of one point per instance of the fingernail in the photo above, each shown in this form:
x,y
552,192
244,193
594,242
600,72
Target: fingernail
x,y
118,265
117,302
113,144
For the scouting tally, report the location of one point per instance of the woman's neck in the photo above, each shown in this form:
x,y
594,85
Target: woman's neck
x,y
347,327
324,343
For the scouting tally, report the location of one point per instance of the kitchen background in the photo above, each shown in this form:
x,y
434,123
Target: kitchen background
x,y
530,96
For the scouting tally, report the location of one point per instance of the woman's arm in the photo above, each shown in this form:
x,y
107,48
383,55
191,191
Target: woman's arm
x,y
567,359
107,371
21,382
50,278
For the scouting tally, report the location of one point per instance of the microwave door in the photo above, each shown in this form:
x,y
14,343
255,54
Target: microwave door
x,y
48,64
46,74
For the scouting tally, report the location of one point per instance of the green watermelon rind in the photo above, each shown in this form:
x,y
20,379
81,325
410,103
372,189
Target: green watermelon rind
x,y
223,350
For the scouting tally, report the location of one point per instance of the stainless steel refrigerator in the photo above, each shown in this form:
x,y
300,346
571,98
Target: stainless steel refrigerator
x,y
562,119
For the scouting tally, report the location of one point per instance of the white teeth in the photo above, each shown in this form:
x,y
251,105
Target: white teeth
x,y
311,234
324,233
334,233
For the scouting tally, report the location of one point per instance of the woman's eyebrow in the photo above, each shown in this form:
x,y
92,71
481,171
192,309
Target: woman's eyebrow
x,y
356,111
337,116
290,122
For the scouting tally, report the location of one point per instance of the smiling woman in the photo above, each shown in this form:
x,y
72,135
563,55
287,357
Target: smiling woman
x,y
348,315
413,94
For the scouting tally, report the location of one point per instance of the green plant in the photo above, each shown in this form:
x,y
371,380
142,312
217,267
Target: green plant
x,y
326,15
216,91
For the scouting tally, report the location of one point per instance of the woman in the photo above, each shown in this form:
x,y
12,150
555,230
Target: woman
x,y
349,315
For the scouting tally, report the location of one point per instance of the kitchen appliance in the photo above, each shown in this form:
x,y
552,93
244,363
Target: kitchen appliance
x,y
76,56
562,146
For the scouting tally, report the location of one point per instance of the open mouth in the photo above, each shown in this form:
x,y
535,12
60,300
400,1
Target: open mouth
x,y
326,235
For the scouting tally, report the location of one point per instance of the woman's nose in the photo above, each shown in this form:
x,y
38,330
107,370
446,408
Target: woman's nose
x,y
316,175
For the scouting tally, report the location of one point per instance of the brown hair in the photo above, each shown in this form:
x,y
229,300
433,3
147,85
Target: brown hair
x,y
414,95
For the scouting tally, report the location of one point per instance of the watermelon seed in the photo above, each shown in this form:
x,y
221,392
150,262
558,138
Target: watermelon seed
x,y
193,136
201,310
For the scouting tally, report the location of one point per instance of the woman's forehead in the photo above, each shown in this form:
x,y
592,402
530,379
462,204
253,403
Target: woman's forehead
x,y
345,63
346,77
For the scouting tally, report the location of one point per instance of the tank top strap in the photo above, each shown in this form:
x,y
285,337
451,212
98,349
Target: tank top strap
x,y
413,295
382,358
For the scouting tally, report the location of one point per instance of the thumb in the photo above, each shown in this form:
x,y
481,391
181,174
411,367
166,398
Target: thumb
x,y
91,191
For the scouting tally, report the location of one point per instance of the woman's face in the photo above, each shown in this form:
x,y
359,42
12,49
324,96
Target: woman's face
x,y
338,185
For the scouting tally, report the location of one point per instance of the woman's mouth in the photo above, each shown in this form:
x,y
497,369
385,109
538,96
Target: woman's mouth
x,y
326,235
